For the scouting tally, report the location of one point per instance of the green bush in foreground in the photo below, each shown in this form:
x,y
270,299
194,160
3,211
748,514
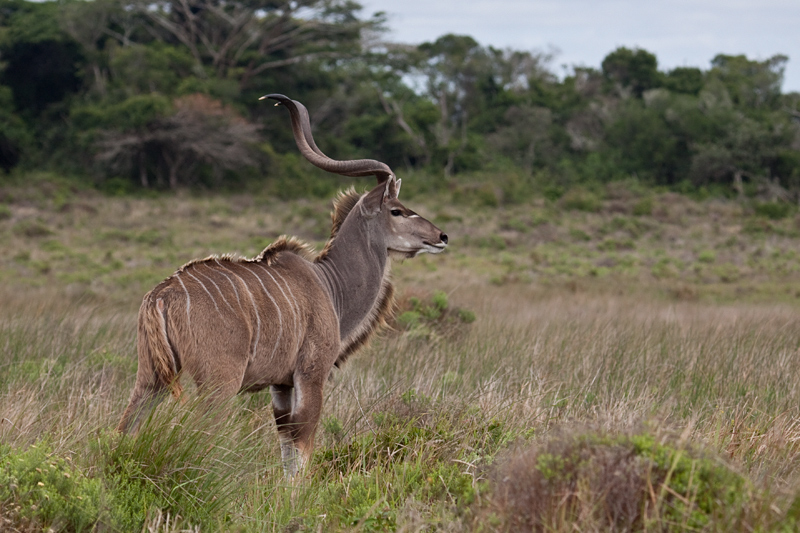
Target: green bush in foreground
x,y
178,463
41,490
621,482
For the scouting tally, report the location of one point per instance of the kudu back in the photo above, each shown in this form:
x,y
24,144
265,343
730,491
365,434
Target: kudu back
x,y
285,318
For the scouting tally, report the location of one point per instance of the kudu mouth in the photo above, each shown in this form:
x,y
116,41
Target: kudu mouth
x,y
436,247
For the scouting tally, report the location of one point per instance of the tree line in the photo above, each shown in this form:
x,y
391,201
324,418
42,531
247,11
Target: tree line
x,y
164,94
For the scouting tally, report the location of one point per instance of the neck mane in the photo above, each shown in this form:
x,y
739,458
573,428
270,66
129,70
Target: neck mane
x,y
358,282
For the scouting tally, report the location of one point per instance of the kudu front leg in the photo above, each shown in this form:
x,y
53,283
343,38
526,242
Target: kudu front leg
x,y
297,422
282,409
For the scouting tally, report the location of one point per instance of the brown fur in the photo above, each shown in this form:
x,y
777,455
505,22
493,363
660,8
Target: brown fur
x,y
378,320
344,203
285,244
153,341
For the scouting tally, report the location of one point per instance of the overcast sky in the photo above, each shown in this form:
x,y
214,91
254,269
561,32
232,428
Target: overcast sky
x,y
678,32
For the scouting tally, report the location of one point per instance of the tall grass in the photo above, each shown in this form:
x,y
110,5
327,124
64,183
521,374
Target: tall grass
x,y
418,428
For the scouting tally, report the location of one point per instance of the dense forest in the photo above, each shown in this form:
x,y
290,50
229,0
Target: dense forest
x,y
130,94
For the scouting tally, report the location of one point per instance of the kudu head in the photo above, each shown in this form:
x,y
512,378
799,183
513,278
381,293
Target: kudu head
x,y
404,232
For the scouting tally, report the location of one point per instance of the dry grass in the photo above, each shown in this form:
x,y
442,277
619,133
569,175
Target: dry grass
x,y
419,429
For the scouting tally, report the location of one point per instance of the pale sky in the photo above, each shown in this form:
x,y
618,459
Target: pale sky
x,y
678,32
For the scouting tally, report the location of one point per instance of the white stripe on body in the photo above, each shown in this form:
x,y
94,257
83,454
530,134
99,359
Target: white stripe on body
x,y
294,315
162,322
235,290
188,301
255,308
217,286
295,307
277,307
205,289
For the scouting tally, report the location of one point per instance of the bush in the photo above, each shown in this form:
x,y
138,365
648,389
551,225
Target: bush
x,y
431,316
580,199
773,210
600,481
41,490
644,207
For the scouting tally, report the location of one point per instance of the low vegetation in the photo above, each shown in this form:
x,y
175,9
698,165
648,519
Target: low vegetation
x,y
626,362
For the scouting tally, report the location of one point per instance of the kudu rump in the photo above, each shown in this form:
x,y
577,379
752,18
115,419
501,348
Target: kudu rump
x,y
285,318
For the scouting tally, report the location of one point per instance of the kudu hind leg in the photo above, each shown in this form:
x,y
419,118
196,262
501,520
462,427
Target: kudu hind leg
x,y
143,400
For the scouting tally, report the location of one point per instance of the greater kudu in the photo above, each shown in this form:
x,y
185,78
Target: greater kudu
x,y
285,318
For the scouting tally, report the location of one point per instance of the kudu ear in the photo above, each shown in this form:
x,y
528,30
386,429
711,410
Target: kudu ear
x,y
375,198
393,187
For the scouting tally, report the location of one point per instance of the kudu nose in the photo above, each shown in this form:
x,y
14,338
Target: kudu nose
x,y
443,237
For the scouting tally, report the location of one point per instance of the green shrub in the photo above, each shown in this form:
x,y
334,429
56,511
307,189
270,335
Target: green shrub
x,y
773,210
424,317
644,207
707,256
727,273
610,245
32,228
580,199
185,459
601,481
553,193
41,488
579,235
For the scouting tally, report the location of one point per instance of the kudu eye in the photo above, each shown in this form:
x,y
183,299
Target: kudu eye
x,y
396,212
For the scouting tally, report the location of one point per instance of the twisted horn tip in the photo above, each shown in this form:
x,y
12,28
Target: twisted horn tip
x,y
279,97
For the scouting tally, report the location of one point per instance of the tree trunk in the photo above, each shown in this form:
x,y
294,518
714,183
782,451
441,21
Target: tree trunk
x,y
143,170
737,183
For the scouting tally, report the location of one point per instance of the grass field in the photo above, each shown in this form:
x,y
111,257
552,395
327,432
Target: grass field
x,y
620,359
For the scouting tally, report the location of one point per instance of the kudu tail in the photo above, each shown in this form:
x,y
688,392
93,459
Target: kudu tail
x,y
154,347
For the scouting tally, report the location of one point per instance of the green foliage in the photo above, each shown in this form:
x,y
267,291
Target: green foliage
x,y
184,467
773,210
432,316
581,199
643,207
686,80
707,256
40,488
634,69
753,84
90,88
632,482
154,68
32,228
130,114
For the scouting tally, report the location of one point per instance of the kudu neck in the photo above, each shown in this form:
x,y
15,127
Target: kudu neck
x,y
353,270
